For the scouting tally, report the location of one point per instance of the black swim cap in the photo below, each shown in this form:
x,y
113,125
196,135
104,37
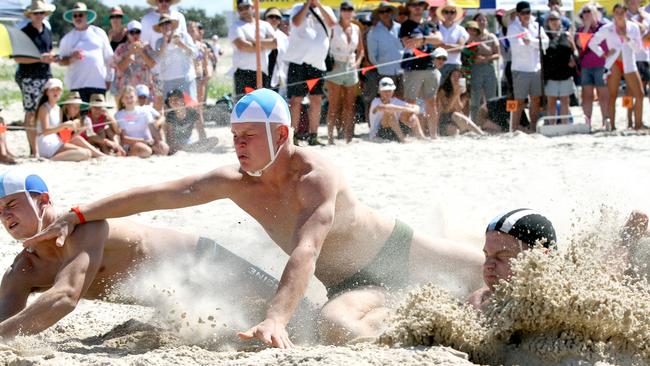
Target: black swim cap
x,y
527,225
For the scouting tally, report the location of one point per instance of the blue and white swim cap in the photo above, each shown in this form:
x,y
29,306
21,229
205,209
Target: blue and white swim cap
x,y
19,180
262,106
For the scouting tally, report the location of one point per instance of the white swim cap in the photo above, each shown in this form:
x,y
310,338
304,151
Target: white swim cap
x,y
262,106
19,180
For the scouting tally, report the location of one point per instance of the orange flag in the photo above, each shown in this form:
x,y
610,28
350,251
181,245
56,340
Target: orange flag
x,y
521,35
3,129
364,70
419,53
470,45
311,83
65,134
248,89
584,38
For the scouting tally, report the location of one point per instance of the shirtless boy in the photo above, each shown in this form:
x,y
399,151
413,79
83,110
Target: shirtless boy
x,y
305,205
96,256
518,230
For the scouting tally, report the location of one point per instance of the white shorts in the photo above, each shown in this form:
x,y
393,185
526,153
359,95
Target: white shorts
x,y
48,145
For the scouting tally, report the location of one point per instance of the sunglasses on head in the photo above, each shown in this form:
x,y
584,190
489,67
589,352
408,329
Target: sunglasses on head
x,y
449,11
78,15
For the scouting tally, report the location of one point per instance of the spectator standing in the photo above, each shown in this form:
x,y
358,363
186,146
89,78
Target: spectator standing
x,y
483,73
277,66
32,74
176,54
201,62
561,66
623,40
242,36
555,5
392,118
309,38
384,46
150,36
526,66
87,53
138,134
118,32
639,16
50,143
346,47
592,66
419,78
134,60
454,36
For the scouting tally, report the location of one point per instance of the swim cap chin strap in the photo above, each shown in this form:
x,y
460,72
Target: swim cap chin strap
x,y
39,217
274,154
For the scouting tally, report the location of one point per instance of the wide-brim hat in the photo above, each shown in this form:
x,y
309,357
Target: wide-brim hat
x,y
73,98
272,11
80,8
155,2
472,24
505,20
39,6
417,2
164,19
99,100
386,5
460,12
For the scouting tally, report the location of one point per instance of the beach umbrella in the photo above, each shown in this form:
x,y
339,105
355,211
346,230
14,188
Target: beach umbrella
x,y
15,43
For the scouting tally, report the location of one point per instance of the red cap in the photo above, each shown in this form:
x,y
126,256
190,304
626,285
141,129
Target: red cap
x,y
116,11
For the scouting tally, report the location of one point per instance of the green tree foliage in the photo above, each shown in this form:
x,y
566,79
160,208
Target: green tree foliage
x,y
212,25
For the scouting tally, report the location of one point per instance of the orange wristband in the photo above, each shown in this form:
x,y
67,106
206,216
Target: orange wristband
x,y
82,219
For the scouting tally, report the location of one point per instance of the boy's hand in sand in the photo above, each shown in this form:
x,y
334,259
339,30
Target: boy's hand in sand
x,y
59,230
270,332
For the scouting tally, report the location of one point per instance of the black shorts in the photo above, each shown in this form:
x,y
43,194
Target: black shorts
x,y
248,78
644,70
297,80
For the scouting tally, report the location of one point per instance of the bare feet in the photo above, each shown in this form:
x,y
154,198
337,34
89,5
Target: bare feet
x,y
7,159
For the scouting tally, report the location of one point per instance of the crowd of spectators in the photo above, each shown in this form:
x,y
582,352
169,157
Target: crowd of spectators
x,y
415,70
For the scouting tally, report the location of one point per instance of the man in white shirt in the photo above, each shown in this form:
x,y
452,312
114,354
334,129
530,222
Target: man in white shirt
x,y
242,36
87,52
309,40
453,35
149,36
392,118
526,66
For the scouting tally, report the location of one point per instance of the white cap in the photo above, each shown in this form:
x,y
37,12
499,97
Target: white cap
x,y
440,52
53,83
386,84
134,24
142,90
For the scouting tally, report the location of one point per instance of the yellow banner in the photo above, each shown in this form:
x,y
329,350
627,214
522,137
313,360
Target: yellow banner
x,y
5,42
334,4
607,4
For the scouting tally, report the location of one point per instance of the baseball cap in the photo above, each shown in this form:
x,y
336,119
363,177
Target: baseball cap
x,y
134,24
386,84
142,90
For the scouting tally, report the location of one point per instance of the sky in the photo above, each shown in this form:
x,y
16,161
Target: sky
x,y
211,6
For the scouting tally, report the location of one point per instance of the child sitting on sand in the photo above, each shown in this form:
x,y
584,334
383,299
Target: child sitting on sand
x,y
139,136
101,130
392,118
6,157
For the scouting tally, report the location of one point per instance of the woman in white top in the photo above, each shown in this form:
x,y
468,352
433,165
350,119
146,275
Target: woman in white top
x,y
138,133
346,47
49,130
623,40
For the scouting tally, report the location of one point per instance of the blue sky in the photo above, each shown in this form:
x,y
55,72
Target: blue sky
x,y
211,6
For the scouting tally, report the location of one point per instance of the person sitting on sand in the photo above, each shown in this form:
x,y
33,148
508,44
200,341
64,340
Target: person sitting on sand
x,y
392,118
452,98
6,157
138,133
308,209
180,120
71,107
516,231
101,130
96,257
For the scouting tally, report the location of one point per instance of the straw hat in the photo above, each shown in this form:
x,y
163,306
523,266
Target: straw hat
x,y
155,2
80,8
164,19
472,24
385,6
98,100
39,6
450,5
73,98
506,17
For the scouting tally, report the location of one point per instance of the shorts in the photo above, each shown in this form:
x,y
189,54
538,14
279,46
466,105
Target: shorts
x,y
31,89
445,120
559,88
593,76
297,77
187,86
643,67
248,79
343,74
387,133
389,269
420,84
526,84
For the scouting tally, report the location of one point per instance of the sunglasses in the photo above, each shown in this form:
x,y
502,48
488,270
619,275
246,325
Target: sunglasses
x,y
135,31
274,17
78,15
441,58
38,13
384,11
525,12
347,9
164,1
115,17
586,11
446,12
